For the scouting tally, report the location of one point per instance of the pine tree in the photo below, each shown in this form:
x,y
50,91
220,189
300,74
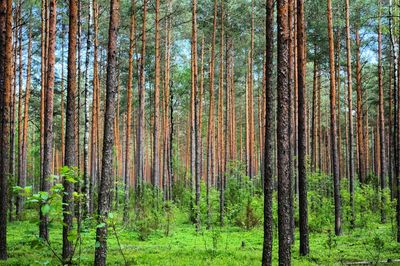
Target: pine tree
x,y
104,203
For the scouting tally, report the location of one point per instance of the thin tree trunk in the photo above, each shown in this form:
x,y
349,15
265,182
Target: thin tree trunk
x,y
382,151
141,97
360,127
335,162
210,134
350,113
314,115
26,108
221,163
95,113
129,88
19,203
195,117
156,130
86,176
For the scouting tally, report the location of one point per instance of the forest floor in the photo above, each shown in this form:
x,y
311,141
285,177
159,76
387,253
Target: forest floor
x,y
184,246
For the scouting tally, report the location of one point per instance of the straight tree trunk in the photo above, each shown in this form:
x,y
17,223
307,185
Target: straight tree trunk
x,y
109,116
70,138
200,108
129,88
95,113
382,139
269,135
19,203
5,105
13,111
62,96
221,163
210,133
141,97
360,127
314,115
292,78
350,113
302,131
48,115
283,95
26,108
319,128
338,86
156,130
250,129
86,173
44,11
168,109
195,115
335,162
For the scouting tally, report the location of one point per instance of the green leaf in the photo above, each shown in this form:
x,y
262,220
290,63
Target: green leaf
x,y
101,225
44,195
97,245
45,209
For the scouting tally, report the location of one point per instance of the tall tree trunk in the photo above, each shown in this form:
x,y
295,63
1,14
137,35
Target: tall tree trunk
x,y
141,97
293,94
314,115
5,105
200,109
95,113
360,127
12,114
44,11
86,173
221,163
62,96
250,152
195,117
26,108
269,137
109,116
156,130
48,116
382,139
211,126
167,141
335,162
129,88
350,113
338,86
18,202
70,138
283,95
302,131
319,128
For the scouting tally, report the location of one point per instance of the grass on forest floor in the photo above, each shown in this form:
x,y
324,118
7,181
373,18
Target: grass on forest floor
x,y
220,246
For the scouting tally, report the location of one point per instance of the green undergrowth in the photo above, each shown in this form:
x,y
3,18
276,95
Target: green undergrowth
x,y
164,234
219,246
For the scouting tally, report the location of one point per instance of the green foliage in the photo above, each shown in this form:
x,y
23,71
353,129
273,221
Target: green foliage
x,y
244,206
148,214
